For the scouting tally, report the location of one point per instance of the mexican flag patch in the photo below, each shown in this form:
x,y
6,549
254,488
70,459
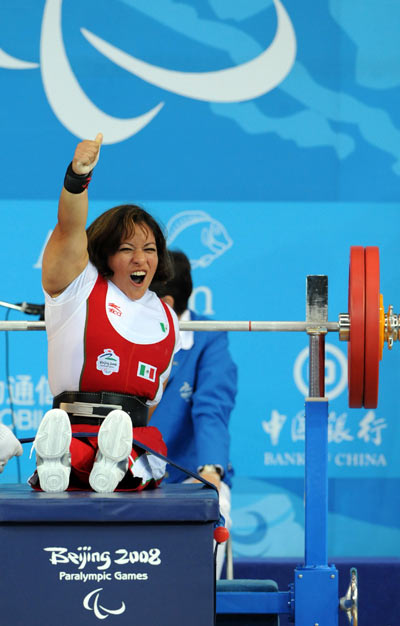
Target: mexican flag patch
x,y
146,371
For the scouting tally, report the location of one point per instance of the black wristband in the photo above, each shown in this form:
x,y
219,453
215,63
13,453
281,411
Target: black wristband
x,y
76,183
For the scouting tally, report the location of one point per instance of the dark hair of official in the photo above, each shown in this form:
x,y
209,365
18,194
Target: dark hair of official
x,y
111,227
180,286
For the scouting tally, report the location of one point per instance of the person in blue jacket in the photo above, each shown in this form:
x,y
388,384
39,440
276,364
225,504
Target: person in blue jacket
x,y
194,413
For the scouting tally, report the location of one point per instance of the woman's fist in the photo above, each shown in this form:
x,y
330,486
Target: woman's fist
x,y
86,155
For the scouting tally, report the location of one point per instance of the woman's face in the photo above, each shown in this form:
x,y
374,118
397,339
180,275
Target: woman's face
x,y
135,262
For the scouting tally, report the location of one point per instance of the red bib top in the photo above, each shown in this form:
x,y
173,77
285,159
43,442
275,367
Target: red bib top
x,y
113,363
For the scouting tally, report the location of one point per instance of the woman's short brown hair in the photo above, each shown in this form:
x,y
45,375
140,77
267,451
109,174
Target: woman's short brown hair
x,y
111,227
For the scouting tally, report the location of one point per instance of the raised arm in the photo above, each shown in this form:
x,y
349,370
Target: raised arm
x,y
66,252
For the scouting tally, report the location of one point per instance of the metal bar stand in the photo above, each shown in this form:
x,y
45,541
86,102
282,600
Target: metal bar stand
x,y
316,583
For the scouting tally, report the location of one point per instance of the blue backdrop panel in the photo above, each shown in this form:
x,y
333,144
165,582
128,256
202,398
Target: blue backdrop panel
x,y
262,174
329,128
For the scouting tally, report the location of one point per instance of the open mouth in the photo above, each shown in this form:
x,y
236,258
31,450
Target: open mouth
x,y
138,277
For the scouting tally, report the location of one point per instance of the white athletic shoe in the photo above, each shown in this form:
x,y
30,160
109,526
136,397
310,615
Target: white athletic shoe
x,y
53,458
115,446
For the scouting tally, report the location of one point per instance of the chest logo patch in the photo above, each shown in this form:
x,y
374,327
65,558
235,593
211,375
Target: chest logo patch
x,y
108,362
114,308
146,371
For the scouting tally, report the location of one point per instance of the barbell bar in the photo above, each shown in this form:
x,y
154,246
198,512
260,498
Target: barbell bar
x,y
366,327
210,325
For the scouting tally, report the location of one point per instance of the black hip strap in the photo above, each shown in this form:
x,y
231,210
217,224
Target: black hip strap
x,y
135,406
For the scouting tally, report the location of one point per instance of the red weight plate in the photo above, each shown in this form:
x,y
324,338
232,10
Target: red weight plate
x,y
372,328
355,350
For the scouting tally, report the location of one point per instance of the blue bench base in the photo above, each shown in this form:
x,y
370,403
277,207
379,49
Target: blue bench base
x,y
248,602
81,557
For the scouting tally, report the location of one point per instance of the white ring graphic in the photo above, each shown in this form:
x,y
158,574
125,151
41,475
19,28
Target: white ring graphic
x,y
303,386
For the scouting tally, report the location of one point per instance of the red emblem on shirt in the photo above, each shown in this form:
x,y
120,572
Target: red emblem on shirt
x,y
114,308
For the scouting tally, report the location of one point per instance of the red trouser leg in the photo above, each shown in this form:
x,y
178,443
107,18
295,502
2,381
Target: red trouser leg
x,y
151,437
83,453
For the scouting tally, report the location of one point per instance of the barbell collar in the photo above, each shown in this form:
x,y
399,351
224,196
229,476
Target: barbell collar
x,y
392,324
344,326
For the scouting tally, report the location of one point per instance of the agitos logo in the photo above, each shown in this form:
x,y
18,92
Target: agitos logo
x,y
77,113
91,603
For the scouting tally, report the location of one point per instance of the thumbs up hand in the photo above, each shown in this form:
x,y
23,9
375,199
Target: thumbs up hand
x,y
86,155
